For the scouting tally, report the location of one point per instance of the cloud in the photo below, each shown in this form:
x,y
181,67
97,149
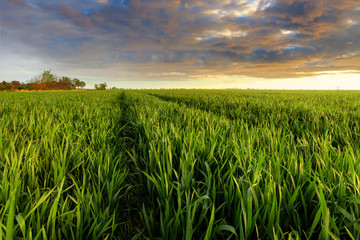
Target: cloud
x,y
187,38
103,1
19,2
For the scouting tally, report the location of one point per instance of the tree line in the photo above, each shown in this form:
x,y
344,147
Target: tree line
x,y
101,86
44,81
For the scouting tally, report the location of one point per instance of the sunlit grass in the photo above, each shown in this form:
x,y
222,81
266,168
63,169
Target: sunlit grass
x,y
248,164
62,169
180,164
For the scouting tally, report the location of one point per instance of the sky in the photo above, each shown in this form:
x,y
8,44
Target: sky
x,y
266,44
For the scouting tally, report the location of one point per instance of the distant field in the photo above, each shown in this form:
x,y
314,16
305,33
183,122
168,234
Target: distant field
x,y
180,164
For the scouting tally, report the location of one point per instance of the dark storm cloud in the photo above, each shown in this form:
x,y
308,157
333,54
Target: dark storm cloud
x,y
233,37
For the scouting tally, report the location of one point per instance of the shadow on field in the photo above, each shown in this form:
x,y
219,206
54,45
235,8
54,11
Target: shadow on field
x,y
128,133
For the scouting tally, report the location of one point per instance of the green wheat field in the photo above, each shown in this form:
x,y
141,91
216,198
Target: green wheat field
x,y
180,164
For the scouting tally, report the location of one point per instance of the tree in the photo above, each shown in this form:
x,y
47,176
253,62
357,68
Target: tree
x,y
48,77
2,87
76,82
6,86
15,84
66,83
82,84
101,86
44,80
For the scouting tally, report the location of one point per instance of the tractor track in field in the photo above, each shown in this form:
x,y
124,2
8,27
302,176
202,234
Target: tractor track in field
x,y
295,123
129,134
191,106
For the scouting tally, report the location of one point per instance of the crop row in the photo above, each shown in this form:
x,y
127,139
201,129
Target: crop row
x,y
210,176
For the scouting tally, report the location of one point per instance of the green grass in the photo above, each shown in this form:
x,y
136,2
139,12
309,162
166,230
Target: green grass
x,y
180,164
62,168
